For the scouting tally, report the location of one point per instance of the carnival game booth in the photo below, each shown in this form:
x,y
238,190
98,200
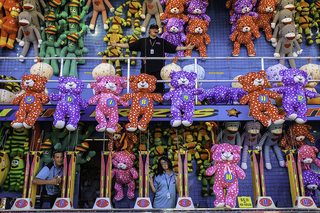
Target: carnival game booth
x,y
275,169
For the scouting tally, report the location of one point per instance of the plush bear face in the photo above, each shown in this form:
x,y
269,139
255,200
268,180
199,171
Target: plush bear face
x,y
298,132
245,24
198,26
143,83
273,74
285,16
254,81
307,153
197,7
313,74
294,76
174,25
288,31
70,85
122,160
311,180
243,6
253,127
267,6
33,83
183,79
174,7
110,84
226,153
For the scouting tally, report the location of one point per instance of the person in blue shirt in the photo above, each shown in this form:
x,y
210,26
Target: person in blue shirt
x,y
50,176
164,186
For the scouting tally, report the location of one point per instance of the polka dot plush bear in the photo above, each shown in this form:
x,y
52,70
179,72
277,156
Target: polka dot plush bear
x,y
142,104
311,182
123,173
258,98
226,172
307,156
107,91
174,9
69,102
182,97
30,102
265,15
295,136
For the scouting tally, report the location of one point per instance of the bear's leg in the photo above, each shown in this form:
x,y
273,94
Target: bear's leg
x,y
268,32
236,49
146,118
202,50
220,198
301,111
59,114
133,118
274,114
31,118
101,119
20,116
131,187
244,157
232,194
291,113
250,48
258,115
187,116
74,117
113,120
119,189
188,53
176,116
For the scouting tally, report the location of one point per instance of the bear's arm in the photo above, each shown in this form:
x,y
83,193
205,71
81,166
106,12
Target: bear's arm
x,y
168,95
316,161
157,97
273,94
310,137
17,100
211,170
55,97
283,141
94,99
119,100
256,33
127,96
234,35
183,37
233,17
254,14
163,16
44,98
240,173
279,90
197,91
244,100
206,17
207,39
164,35
134,173
184,17
310,94
83,102
188,38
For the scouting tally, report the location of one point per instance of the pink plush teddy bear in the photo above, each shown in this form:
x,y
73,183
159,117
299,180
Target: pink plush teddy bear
x,y
226,169
307,156
110,88
125,174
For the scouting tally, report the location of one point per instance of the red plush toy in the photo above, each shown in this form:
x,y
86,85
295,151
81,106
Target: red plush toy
x,y
259,98
295,136
142,103
174,9
246,28
266,15
31,101
197,36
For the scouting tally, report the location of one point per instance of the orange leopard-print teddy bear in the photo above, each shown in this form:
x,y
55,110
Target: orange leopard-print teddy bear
x,y
259,98
295,136
142,103
266,15
197,35
31,101
246,28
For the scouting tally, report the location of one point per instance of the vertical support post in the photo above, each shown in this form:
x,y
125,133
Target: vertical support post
x,y
196,71
128,76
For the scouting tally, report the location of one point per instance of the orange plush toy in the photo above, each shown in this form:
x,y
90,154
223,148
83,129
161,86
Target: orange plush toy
x,y
197,36
295,136
266,15
142,103
31,101
245,29
259,98
174,9
9,27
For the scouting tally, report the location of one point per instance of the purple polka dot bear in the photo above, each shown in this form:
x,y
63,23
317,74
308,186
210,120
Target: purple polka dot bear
x,y
294,95
197,10
226,172
69,102
250,138
182,97
273,74
107,90
124,173
241,8
311,182
222,94
174,33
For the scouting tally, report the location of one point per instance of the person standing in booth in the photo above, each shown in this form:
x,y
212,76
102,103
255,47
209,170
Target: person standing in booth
x,y
164,186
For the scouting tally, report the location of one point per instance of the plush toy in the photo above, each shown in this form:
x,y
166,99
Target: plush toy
x,y
265,15
286,43
249,138
243,34
46,158
69,102
110,88
9,27
113,52
273,74
284,4
200,72
18,142
182,97
226,173
305,23
98,6
134,9
142,104
294,95
130,39
206,179
31,35
230,133
307,156
197,36
4,166
6,5
103,69
30,6
222,94
30,102
15,178
83,156
113,35
313,74
311,182
242,8
166,70
295,136
197,9
116,21
55,135
124,174
53,20
152,7
174,9
271,139
259,98
174,33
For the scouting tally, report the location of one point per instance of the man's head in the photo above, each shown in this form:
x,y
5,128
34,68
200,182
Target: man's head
x,y
57,156
153,30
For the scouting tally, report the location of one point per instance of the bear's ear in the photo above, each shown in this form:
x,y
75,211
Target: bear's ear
x,y
263,73
172,74
132,157
305,74
315,149
166,21
214,147
192,75
281,72
182,22
237,149
44,79
131,79
191,21
99,78
241,79
153,79
188,3
308,126
123,84
61,79
206,23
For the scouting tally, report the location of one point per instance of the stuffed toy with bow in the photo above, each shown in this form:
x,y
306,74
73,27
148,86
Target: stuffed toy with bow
x,y
307,156
182,97
295,136
69,102
226,173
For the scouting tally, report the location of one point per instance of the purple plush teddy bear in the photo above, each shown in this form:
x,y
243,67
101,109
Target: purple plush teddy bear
x,y
221,94
182,97
196,10
311,182
69,101
174,33
294,94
